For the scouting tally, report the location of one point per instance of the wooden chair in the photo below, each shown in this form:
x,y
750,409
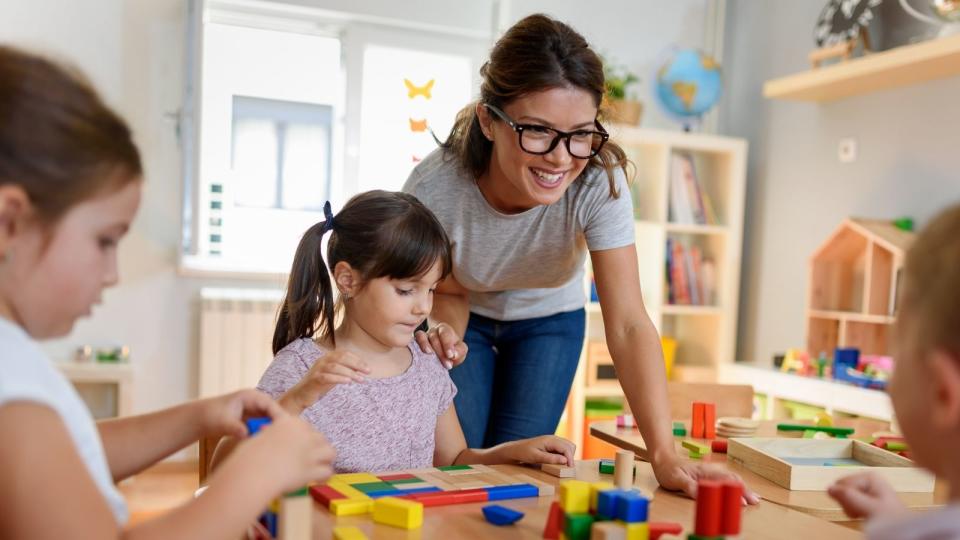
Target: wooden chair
x,y
730,399
207,446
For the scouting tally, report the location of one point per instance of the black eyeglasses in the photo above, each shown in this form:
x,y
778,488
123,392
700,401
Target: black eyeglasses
x,y
539,140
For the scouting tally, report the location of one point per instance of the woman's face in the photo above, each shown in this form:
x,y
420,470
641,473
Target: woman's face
x,y
518,180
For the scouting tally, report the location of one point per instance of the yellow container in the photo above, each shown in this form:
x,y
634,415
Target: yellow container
x,y
669,346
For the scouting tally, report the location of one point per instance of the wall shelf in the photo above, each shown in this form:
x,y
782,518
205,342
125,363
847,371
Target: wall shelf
x,y
902,66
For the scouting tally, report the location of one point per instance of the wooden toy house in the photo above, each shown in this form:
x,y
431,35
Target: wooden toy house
x,y
854,277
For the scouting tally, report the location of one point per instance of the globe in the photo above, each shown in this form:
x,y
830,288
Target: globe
x,y
688,84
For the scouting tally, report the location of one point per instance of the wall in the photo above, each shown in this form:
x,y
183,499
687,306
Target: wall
x,y
797,190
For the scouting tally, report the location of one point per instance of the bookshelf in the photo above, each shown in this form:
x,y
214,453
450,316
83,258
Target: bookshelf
x,y
705,334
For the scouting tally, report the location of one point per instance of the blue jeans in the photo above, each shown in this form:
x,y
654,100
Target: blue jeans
x,y
517,375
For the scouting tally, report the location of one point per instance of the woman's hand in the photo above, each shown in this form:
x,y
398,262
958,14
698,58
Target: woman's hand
x,y
443,341
678,475
865,495
331,369
544,449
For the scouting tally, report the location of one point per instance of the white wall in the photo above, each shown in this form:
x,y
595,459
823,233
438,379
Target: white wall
x,y
797,190
634,33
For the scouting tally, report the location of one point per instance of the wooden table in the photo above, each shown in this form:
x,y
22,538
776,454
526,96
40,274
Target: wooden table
x,y
815,503
466,521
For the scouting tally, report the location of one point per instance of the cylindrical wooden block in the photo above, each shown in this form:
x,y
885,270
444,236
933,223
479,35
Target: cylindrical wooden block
x,y
709,507
732,507
623,469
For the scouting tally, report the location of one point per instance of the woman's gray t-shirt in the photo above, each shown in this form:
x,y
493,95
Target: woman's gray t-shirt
x,y
526,265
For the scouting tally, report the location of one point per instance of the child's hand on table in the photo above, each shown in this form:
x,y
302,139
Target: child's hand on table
x,y
331,369
866,495
544,449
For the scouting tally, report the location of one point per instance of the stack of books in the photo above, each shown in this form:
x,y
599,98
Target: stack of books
x,y
690,204
691,277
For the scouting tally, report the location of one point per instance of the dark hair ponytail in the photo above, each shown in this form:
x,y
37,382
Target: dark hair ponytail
x,y
535,54
379,234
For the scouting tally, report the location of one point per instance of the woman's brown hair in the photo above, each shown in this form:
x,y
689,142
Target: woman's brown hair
x,y
379,234
537,53
58,140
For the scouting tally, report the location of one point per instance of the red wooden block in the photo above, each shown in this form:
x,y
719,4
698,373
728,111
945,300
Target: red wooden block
x,y
444,498
732,507
324,494
554,522
709,421
658,528
881,442
696,430
392,477
719,446
709,508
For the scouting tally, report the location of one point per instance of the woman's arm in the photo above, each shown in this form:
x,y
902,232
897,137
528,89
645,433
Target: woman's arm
x,y
638,359
451,311
451,447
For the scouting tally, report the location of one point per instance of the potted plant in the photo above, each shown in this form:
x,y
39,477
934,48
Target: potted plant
x,y
621,104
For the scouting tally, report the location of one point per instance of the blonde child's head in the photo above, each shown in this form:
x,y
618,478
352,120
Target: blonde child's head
x,y
925,388
386,253
69,188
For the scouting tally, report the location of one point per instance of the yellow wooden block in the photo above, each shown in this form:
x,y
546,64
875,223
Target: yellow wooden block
x,y
274,506
398,512
351,507
595,489
344,532
638,531
354,478
349,491
575,496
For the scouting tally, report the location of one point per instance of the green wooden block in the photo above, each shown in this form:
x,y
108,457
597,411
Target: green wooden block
x,y
405,481
838,432
606,468
577,526
809,434
367,487
455,468
896,446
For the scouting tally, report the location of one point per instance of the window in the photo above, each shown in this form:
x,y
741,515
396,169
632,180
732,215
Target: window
x,y
291,106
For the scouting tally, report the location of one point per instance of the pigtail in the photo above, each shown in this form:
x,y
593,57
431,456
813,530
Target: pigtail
x,y
307,306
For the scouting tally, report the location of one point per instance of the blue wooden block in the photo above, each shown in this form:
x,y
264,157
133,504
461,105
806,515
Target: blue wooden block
x,y
255,424
384,493
516,491
607,503
269,521
500,515
632,508
430,489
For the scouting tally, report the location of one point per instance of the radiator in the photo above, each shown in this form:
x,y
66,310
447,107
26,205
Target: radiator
x,y
236,331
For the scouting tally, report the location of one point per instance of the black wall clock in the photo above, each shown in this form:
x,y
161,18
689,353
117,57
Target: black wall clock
x,y
841,20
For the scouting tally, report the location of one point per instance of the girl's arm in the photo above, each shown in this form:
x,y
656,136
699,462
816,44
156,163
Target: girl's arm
x,y
46,489
451,447
134,443
638,358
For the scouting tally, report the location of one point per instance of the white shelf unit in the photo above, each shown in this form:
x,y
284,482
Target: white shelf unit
x,y
705,334
106,388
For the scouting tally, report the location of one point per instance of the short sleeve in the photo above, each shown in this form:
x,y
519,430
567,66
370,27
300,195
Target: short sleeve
x,y
283,373
607,221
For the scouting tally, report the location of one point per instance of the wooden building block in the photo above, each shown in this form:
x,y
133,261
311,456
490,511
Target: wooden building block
x,y
731,508
719,446
401,513
295,519
349,491
554,523
709,421
709,508
623,469
695,447
575,496
595,489
354,478
345,532
577,526
560,471
632,508
608,530
445,498
545,489
697,428
351,507
501,515
638,531
325,494
659,528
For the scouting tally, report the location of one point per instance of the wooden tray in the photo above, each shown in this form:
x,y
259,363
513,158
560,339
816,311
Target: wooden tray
x,y
814,464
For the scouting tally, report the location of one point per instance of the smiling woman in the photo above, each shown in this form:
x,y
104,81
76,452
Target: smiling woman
x,y
526,184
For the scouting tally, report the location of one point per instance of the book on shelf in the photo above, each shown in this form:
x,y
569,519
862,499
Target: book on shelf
x,y
690,277
689,203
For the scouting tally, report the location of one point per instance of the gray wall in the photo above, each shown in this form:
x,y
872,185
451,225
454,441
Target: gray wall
x,y
797,190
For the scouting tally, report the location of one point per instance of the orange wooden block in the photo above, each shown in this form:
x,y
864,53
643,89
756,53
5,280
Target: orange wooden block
x,y
697,429
709,421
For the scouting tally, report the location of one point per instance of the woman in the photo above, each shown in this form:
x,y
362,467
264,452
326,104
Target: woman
x,y
528,182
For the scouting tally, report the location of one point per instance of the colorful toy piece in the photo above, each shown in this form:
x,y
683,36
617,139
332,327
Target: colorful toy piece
x,y
295,516
838,432
558,470
624,469
625,421
697,450
659,528
719,509
501,515
551,530
575,496
679,430
345,532
606,466
256,424
396,512
718,447
704,420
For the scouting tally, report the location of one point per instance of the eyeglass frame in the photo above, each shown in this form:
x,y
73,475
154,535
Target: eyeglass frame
x,y
556,140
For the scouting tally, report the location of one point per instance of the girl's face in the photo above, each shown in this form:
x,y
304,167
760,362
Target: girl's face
x,y
53,277
519,180
390,310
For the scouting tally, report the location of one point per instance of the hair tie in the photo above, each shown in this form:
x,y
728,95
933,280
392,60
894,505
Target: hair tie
x,y
328,218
